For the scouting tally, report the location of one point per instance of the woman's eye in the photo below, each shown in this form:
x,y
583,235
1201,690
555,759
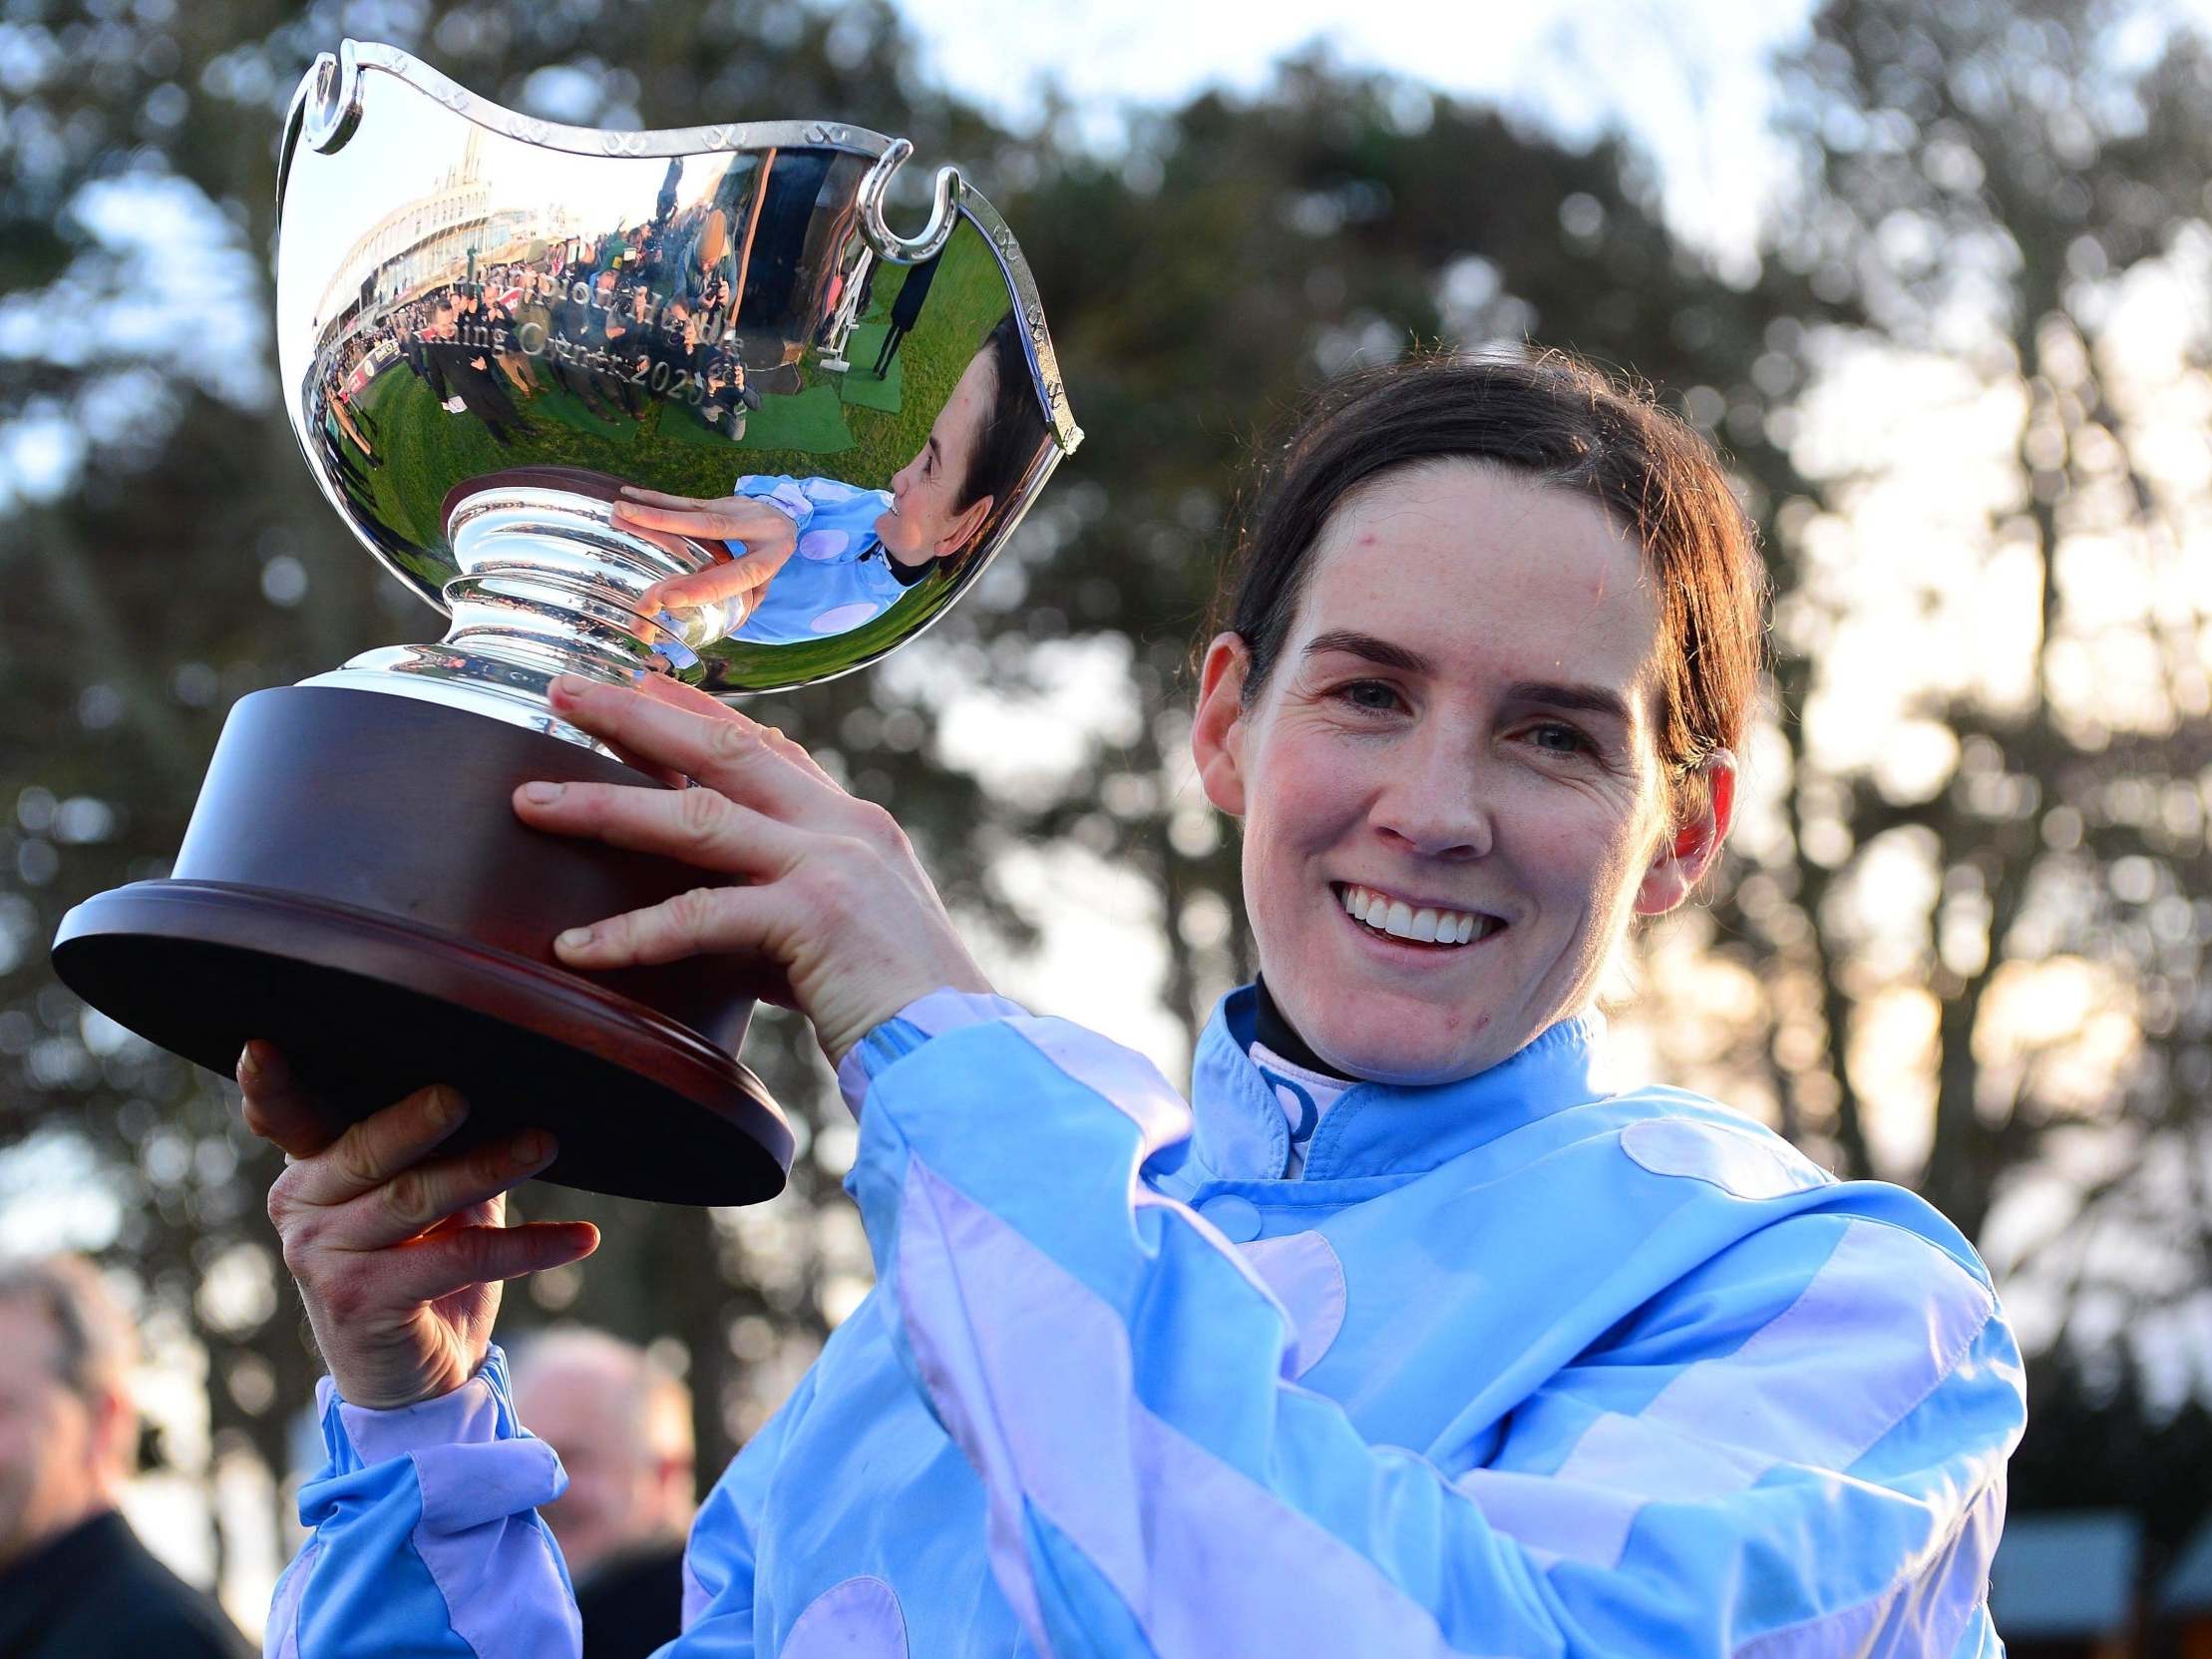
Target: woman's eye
x,y
1559,740
1368,694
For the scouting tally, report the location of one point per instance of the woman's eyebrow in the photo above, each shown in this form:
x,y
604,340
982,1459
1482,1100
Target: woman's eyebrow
x,y
1379,652
1591,700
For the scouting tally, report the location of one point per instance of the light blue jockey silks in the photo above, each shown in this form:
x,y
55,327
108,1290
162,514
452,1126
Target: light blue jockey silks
x,y
838,577
1517,1367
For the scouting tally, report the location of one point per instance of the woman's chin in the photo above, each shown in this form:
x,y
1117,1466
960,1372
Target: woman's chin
x,y
1391,1056
892,531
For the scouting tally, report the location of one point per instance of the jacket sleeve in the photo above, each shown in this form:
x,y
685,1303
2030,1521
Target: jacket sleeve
x,y
424,1536
797,499
426,1539
1799,1454
787,495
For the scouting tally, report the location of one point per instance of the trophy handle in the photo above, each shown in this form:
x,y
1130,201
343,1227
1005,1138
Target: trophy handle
x,y
329,98
888,244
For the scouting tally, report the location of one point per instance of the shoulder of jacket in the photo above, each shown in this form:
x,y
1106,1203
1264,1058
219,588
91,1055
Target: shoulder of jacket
x,y
1676,1135
1673,1134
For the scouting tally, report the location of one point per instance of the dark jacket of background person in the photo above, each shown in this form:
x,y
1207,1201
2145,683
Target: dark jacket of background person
x,y
633,1603
96,1594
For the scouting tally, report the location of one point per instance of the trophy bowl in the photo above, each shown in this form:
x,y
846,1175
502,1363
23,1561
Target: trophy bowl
x,y
488,327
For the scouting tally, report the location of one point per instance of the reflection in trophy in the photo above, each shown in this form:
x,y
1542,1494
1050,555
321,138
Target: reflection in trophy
x,y
545,373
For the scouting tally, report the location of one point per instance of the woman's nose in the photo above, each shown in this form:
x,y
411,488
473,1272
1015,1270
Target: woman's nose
x,y
1436,803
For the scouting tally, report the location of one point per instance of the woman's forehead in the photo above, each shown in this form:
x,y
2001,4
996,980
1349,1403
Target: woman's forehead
x,y
1446,557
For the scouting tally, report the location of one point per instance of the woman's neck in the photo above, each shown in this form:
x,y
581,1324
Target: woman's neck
x,y
1280,1035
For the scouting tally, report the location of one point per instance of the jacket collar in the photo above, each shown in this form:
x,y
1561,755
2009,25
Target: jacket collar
x,y
1377,1128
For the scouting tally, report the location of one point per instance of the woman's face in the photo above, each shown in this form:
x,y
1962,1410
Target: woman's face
x,y
1460,723
925,520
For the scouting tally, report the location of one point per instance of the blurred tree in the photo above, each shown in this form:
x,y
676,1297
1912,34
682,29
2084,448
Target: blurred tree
x,y
2011,867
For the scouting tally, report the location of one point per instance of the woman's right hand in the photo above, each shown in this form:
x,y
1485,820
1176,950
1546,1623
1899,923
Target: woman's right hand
x,y
399,1255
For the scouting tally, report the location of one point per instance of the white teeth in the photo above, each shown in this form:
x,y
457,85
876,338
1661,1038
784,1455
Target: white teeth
x,y
1427,926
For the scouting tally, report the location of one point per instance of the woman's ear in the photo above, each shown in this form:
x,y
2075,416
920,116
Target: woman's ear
x,y
964,526
1218,729
1693,842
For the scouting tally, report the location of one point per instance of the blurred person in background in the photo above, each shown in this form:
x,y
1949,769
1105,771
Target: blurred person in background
x,y
622,1425
75,1582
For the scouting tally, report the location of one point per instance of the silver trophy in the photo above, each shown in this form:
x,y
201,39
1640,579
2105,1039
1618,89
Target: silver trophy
x,y
488,327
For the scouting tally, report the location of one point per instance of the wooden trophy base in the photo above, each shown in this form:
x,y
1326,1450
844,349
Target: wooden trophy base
x,y
356,888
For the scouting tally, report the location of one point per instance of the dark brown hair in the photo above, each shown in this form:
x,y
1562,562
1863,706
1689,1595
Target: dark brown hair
x,y
1013,428
1557,421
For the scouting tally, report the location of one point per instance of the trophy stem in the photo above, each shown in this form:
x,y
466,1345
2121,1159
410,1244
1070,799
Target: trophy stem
x,y
550,586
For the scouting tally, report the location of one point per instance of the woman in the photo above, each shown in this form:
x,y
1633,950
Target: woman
x,y
1492,1362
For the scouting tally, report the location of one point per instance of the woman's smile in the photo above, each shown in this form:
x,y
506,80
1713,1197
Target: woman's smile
x,y
1401,920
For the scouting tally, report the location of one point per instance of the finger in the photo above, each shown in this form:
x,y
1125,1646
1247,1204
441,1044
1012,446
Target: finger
x,y
682,549
707,586
657,497
378,1147
695,522
707,921
274,1104
418,1199
681,694
665,776
702,827
446,1262
731,752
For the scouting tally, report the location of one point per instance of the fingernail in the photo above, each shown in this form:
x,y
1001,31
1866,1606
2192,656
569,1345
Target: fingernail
x,y
569,685
446,1107
528,1147
544,794
260,1063
575,939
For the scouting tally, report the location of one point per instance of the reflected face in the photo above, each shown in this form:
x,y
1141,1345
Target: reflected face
x,y
49,1459
925,520
1459,727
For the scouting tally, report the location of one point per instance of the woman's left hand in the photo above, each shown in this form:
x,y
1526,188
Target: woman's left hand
x,y
836,917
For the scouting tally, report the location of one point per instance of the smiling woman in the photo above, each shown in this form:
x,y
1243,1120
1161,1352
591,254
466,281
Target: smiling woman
x,y
1450,686
1408,1334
